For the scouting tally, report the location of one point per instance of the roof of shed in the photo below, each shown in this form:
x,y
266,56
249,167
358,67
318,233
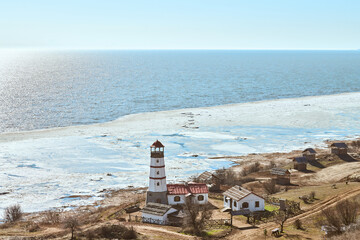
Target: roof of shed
x,y
237,193
206,176
300,160
178,214
183,189
279,171
156,209
339,145
310,150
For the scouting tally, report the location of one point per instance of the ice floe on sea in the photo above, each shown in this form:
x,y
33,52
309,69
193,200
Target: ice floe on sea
x,y
55,167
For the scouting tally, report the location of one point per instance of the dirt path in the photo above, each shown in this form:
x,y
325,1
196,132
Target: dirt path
x,y
325,204
160,232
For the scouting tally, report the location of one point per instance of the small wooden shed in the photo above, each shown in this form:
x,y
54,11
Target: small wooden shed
x,y
210,179
339,148
282,176
300,163
309,154
156,213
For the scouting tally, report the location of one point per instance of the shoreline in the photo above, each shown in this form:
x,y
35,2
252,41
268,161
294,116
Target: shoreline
x,y
131,117
84,160
127,196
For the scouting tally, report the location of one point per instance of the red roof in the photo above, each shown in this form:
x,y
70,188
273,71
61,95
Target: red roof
x,y
157,144
182,189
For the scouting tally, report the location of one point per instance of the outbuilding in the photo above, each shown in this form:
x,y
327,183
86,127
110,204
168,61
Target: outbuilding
x,y
309,154
282,176
238,198
300,163
210,179
156,213
339,148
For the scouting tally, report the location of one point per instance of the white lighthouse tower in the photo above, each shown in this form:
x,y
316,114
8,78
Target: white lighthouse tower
x,y
157,192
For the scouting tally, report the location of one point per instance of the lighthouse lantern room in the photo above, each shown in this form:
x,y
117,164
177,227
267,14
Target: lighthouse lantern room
x,y
157,192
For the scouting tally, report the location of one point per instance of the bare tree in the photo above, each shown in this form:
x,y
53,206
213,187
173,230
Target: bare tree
x,y
347,211
344,214
52,217
281,217
220,173
270,187
254,167
196,216
230,177
13,213
332,220
227,176
73,224
298,224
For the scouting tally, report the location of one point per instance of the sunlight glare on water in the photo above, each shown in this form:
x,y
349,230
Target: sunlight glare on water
x,y
61,88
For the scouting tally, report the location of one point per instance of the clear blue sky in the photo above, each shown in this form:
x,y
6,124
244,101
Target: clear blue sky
x,y
180,24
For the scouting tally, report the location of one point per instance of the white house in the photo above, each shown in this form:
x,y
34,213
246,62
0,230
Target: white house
x,y
156,213
177,193
238,198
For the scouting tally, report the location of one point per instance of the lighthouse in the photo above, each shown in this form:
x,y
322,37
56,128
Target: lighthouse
x,y
157,191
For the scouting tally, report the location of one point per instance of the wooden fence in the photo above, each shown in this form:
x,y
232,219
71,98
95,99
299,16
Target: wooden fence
x,y
136,218
155,221
209,223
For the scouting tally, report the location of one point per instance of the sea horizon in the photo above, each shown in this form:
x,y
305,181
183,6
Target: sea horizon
x,y
60,88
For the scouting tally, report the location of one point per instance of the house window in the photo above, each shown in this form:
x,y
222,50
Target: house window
x,y
157,160
245,205
157,172
200,198
257,204
158,183
158,200
176,199
235,204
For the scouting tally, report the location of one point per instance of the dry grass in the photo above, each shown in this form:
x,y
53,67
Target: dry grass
x,y
347,236
322,191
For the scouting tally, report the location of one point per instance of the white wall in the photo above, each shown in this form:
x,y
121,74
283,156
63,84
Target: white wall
x,y
195,199
157,162
172,202
153,187
156,217
251,200
183,199
154,171
226,203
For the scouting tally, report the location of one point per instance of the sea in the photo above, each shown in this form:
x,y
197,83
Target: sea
x,y
46,89
62,167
